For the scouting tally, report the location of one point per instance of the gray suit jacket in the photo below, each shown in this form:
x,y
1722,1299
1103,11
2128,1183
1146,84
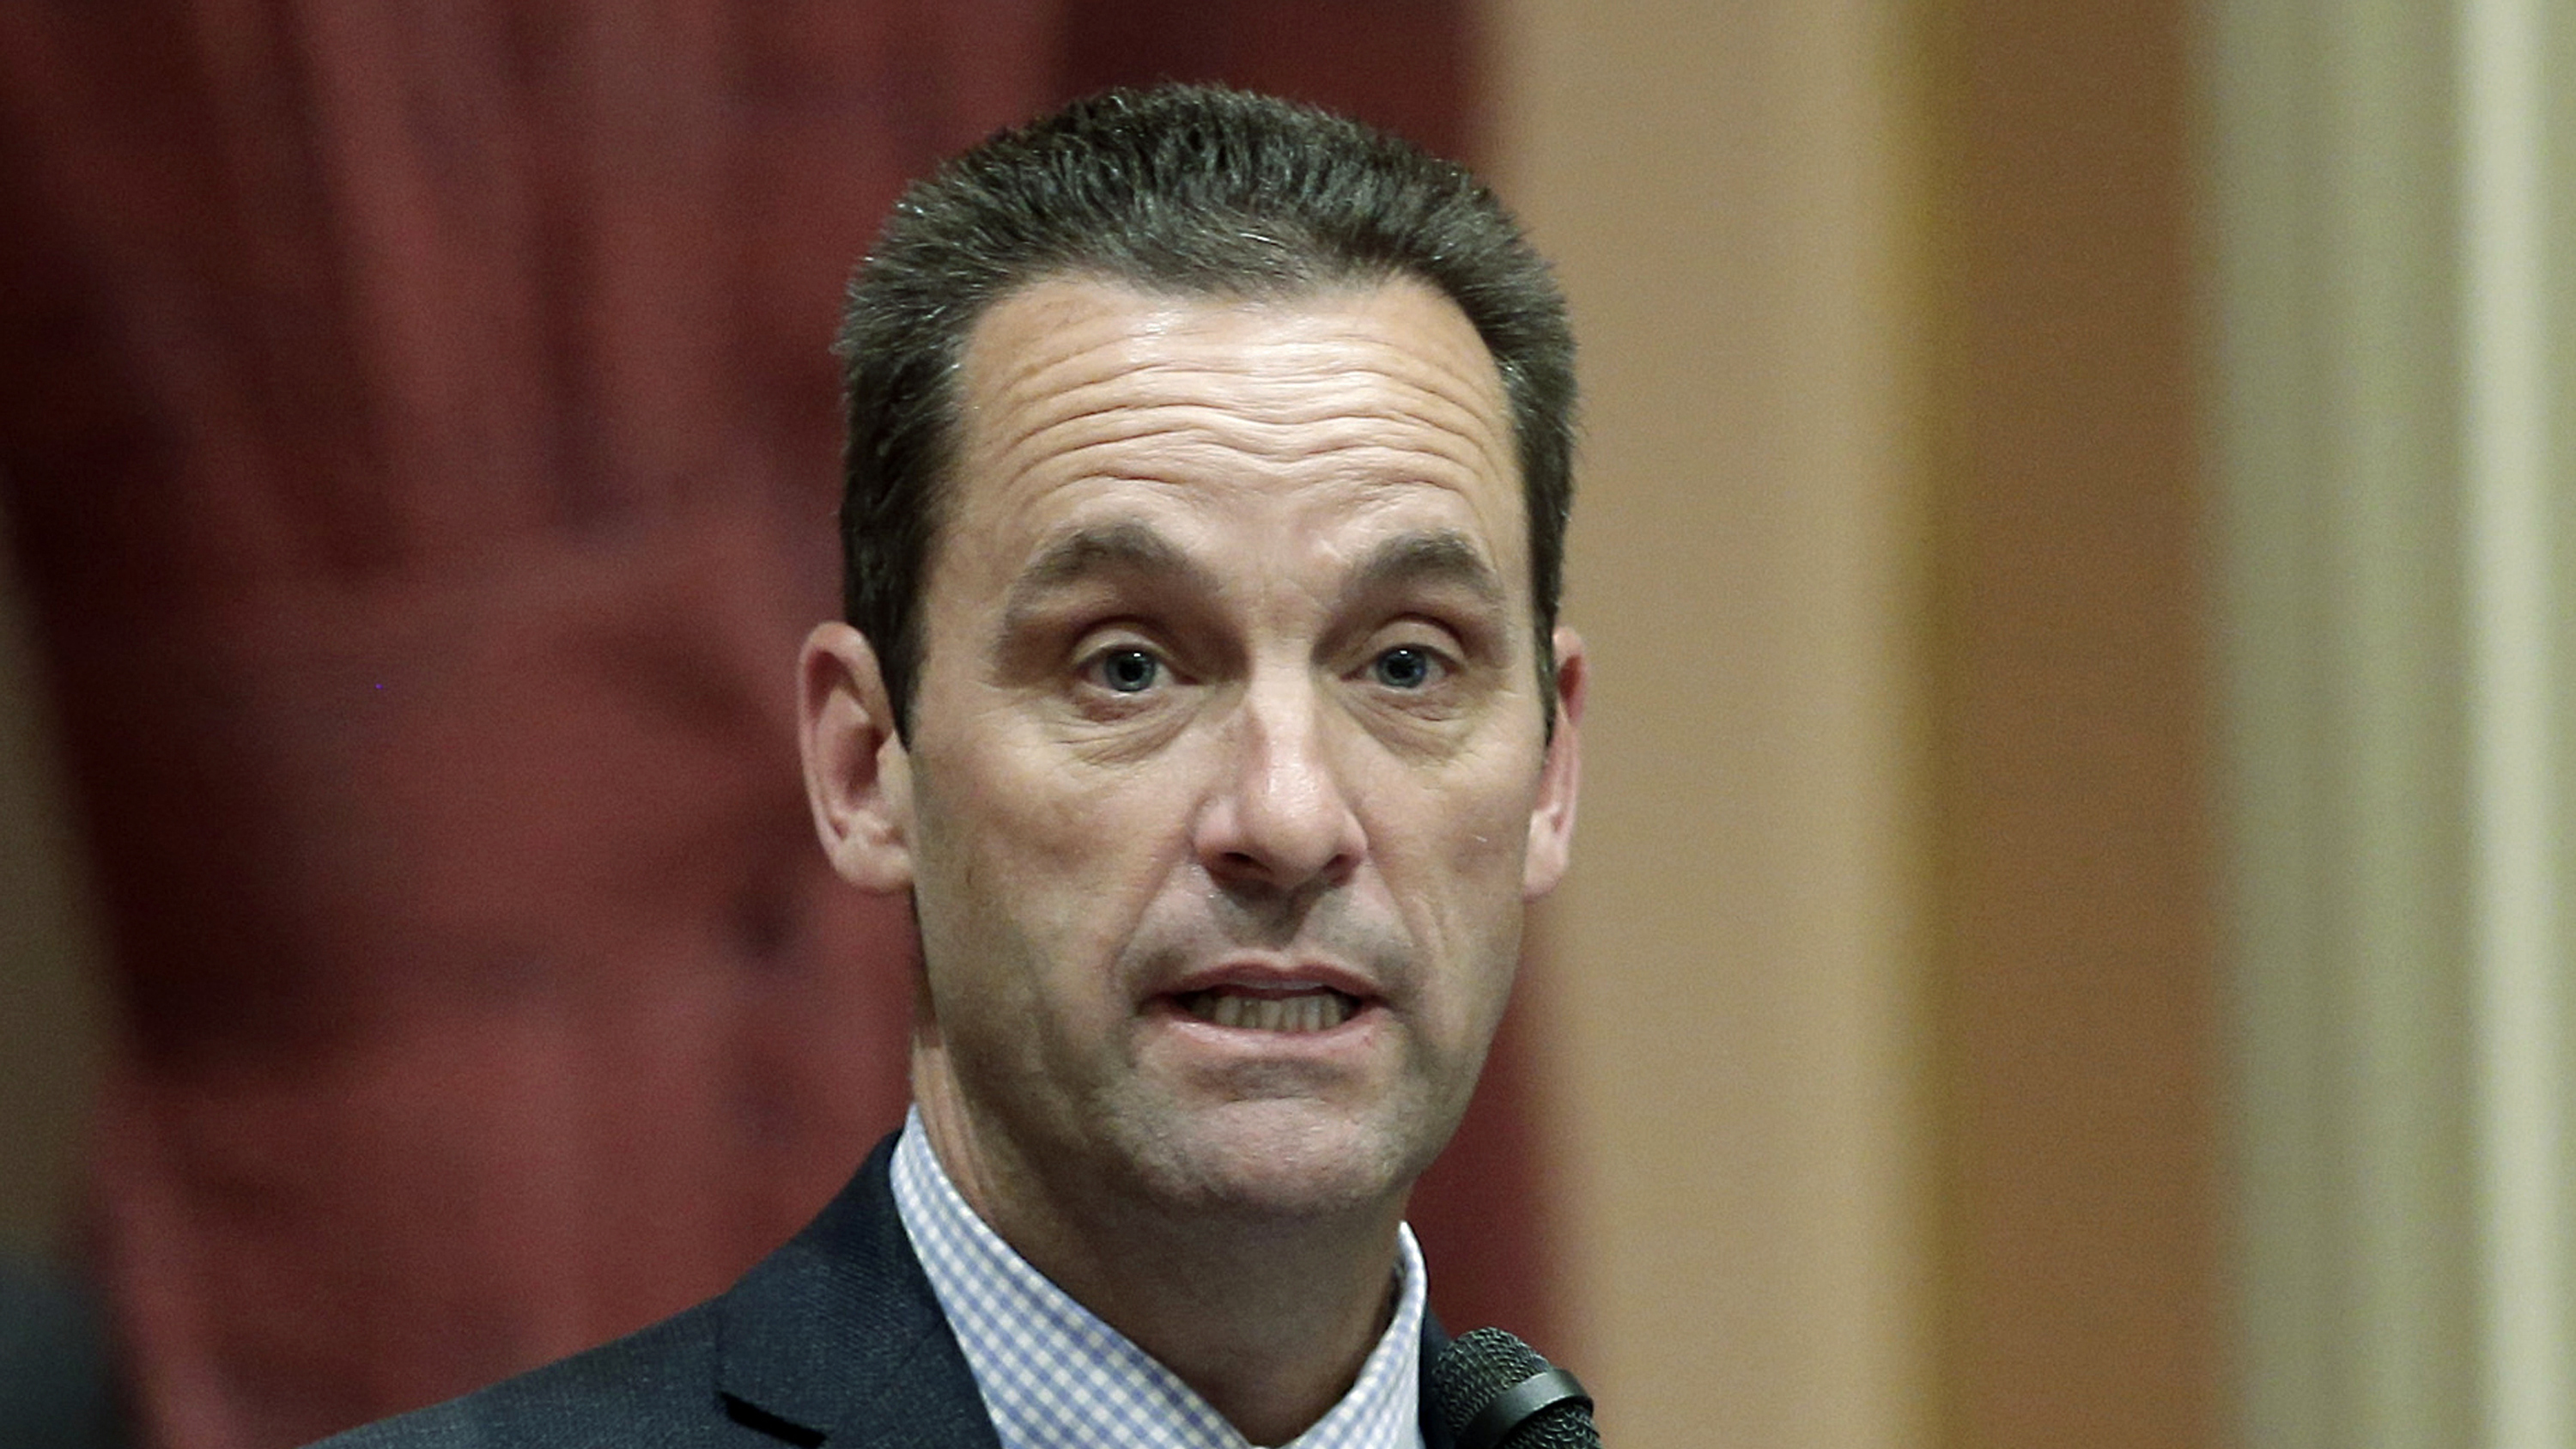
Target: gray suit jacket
x,y
834,1339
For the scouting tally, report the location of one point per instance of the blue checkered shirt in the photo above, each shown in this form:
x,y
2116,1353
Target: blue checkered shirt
x,y
1054,1376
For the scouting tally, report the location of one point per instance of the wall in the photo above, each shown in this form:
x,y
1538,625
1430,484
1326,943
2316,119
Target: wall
x,y
1884,993
2081,1193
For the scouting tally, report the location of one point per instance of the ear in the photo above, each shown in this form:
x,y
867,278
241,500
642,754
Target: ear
x,y
858,778
1551,828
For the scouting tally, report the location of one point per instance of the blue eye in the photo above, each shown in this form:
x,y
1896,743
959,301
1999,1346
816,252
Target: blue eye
x,y
1129,671
1403,667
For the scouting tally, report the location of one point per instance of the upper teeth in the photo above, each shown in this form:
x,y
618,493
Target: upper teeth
x,y
1315,1011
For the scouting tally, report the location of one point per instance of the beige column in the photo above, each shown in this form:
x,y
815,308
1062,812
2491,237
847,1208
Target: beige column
x,y
1732,984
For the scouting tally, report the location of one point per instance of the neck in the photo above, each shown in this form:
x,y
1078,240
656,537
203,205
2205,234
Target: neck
x,y
1267,1316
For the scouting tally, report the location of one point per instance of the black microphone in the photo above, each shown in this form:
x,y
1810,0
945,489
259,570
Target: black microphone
x,y
1495,1392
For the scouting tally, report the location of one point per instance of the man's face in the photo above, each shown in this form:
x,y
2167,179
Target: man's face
x,y
1228,773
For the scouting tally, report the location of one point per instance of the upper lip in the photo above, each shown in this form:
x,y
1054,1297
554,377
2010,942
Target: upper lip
x,y
1274,974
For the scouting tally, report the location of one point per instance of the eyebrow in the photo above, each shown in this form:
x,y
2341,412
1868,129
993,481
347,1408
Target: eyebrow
x,y
1437,556
1125,547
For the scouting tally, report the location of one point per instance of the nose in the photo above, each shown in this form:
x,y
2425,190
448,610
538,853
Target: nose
x,y
1280,818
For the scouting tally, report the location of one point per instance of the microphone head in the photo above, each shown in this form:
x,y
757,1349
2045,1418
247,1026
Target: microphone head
x,y
1474,1382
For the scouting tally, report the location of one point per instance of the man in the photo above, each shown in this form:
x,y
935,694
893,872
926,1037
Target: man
x,y
1207,477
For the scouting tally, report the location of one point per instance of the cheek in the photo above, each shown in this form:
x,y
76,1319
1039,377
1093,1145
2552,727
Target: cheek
x,y
1464,862
1483,816
1027,875
1073,851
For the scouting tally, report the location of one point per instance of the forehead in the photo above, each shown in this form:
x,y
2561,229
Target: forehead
x,y
1080,397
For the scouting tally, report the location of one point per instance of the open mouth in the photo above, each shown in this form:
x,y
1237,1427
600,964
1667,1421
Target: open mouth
x,y
1287,1009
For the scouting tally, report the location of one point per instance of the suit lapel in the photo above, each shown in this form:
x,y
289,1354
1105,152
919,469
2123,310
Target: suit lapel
x,y
837,1338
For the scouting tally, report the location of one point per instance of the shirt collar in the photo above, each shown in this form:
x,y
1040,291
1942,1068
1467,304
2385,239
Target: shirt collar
x,y
1053,1375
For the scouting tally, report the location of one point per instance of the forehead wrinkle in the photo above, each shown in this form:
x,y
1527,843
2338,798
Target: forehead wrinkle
x,y
1295,381
1448,412
1310,435
1204,460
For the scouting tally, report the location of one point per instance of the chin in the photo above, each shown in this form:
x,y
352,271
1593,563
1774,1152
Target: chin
x,y
1287,1159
